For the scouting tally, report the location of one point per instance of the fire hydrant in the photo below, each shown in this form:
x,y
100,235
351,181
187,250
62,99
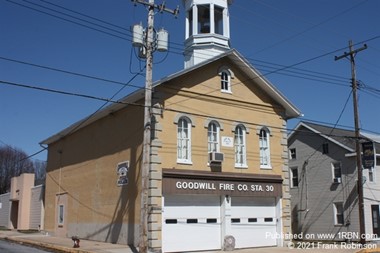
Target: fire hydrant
x,y
76,241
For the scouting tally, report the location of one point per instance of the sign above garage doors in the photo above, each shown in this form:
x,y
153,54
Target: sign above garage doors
x,y
217,187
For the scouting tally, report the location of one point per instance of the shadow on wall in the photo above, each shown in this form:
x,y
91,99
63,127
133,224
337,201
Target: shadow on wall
x,y
85,153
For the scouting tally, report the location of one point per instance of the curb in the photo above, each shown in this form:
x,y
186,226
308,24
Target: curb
x,y
42,245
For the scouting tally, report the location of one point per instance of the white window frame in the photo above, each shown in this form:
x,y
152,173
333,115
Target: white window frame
x,y
184,141
336,207
61,214
240,147
213,137
371,175
292,177
333,168
225,81
292,153
264,145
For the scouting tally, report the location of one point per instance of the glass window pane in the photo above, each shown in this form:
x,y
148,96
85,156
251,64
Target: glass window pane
x,y
203,18
183,141
218,18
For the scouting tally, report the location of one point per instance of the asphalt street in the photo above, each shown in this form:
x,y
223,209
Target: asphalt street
x,y
11,247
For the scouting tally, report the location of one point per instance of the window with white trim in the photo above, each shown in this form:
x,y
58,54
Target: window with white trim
x,y
371,175
61,209
293,177
240,146
218,19
292,153
184,140
213,137
336,172
338,213
264,148
225,81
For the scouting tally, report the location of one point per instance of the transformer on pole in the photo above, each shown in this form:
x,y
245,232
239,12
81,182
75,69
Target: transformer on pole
x,y
148,41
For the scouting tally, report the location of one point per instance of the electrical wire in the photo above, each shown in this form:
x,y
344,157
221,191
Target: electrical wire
x,y
70,72
71,21
205,55
270,72
131,103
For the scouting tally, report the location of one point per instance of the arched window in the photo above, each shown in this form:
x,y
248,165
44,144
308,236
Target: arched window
x,y
213,130
225,81
240,146
226,75
184,140
264,148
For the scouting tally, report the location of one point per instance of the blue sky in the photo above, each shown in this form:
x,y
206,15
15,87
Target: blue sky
x,y
292,42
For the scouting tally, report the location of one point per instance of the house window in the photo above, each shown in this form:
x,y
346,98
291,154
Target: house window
x,y
337,172
240,146
213,137
371,175
338,213
293,154
61,214
294,177
184,140
325,148
264,148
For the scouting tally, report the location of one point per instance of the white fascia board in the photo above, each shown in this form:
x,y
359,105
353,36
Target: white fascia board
x,y
327,137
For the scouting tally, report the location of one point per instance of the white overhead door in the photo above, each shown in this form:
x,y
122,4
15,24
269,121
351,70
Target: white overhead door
x,y
253,219
191,222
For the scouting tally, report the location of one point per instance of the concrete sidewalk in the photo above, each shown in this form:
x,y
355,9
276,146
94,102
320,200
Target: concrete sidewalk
x,y
63,244
66,245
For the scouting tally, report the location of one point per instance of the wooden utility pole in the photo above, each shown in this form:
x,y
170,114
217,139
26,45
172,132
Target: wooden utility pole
x,y
351,55
150,46
145,172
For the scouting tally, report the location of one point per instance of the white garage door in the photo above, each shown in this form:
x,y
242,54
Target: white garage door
x,y
191,222
252,219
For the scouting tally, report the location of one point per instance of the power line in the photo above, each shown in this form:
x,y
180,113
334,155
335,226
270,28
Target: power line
x,y
85,15
141,105
313,25
82,122
69,72
273,70
75,22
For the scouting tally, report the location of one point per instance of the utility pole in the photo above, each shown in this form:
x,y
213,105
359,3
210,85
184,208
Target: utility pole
x,y
147,46
352,53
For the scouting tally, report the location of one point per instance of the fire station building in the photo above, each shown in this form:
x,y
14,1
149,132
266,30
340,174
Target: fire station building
x,y
218,155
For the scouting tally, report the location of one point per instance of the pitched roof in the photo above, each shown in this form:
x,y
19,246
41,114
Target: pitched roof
x,y
291,111
342,137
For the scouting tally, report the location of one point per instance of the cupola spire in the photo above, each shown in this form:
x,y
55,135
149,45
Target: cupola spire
x,y
207,29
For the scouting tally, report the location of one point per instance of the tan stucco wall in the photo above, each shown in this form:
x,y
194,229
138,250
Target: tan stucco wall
x,y
20,195
83,166
203,102
245,105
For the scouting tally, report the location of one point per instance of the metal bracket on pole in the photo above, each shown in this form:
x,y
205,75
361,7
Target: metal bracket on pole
x,y
148,42
352,54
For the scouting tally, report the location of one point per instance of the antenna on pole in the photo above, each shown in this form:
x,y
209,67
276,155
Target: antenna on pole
x,y
352,53
148,41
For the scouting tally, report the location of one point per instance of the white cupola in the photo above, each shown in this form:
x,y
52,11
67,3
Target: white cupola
x,y
207,30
